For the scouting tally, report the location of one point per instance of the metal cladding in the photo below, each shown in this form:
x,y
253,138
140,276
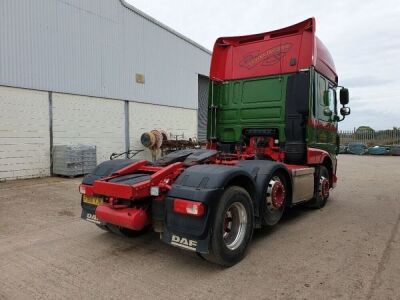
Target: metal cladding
x,y
98,48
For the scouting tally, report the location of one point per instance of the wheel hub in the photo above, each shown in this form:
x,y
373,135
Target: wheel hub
x,y
324,187
276,194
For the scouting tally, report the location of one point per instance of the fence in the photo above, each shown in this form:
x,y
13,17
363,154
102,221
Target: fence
x,y
371,138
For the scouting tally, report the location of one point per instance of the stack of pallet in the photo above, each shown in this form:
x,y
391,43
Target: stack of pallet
x,y
74,160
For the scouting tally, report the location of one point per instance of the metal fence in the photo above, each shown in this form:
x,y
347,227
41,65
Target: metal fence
x,y
371,138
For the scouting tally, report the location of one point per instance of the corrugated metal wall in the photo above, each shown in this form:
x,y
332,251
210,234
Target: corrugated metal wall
x,y
95,48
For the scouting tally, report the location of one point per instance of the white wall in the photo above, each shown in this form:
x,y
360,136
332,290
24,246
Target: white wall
x,y
145,117
24,133
89,120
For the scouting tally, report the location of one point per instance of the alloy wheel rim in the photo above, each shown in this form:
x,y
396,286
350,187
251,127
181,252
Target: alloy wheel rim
x,y
234,225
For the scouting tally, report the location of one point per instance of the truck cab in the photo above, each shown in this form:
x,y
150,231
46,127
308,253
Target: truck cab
x,y
280,85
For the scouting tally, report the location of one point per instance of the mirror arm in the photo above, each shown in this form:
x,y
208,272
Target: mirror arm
x,y
340,119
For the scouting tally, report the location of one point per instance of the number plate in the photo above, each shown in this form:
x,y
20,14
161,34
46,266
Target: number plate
x,y
92,200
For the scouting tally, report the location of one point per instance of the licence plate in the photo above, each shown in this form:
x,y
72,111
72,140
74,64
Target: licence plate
x,y
92,200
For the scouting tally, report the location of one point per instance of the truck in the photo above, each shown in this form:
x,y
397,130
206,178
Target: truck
x,y
272,143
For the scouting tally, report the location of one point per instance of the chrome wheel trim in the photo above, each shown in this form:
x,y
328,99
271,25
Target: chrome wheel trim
x,y
234,225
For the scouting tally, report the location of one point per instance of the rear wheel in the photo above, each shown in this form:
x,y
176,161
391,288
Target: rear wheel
x,y
323,187
275,196
233,227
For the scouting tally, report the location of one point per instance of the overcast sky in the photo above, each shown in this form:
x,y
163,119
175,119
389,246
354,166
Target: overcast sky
x,y
362,36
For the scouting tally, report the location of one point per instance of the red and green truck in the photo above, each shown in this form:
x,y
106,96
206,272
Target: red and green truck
x,y
272,144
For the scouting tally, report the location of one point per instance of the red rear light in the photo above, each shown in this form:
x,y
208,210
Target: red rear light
x,y
187,207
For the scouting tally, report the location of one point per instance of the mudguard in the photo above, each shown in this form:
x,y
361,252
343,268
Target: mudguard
x,y
206,183
203,183
106,168
263,170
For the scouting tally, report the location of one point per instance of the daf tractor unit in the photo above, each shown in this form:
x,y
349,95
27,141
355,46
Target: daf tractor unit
x,y
273,112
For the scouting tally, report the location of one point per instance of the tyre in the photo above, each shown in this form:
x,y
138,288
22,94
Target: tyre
x,y
322,188
232,227
121,231
275,198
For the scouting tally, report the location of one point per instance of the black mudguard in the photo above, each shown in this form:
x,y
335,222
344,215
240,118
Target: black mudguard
x,y
264,170
206,183
106,168
203,183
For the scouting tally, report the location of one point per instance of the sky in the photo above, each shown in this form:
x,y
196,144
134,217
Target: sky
x,y
363,38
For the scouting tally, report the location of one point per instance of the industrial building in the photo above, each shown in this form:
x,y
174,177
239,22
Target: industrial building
x,y
94,72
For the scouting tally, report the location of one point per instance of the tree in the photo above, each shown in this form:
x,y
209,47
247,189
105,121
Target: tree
x,y
364,129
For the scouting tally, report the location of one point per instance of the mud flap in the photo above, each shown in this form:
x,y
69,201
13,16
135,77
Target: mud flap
x,y
90,215
184,242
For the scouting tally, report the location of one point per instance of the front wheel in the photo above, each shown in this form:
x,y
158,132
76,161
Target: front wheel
x,y
322,188
233,227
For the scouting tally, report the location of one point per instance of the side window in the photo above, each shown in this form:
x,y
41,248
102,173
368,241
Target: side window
x,y
332,99
320,88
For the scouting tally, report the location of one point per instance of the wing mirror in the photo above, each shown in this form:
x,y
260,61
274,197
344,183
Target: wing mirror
x,y
344,100
344,96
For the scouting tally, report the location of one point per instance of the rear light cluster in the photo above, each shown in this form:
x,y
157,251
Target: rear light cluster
x,y
186,207
82,189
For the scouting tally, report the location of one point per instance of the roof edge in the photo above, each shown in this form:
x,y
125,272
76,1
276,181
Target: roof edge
x,y
163,26
306,25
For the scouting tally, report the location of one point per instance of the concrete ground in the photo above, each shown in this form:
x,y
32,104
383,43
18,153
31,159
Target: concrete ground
x,y
348,250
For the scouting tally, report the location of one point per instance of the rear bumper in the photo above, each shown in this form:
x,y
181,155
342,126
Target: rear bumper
x,y
131,218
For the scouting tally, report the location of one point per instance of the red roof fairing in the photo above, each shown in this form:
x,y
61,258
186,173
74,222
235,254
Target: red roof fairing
x,y
281,51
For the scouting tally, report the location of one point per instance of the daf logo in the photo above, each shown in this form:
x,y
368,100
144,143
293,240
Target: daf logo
x,y
92,218
183,242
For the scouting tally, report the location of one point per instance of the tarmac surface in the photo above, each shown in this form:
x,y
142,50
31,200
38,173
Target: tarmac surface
x,y
348,250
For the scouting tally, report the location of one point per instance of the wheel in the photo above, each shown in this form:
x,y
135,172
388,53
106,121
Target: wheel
x,y
121,231
232,227
275,195
323,187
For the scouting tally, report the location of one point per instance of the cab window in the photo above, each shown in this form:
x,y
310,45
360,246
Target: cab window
x,y
321,85
325,96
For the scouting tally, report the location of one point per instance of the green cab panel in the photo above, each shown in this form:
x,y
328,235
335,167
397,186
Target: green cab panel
x,y
247,103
